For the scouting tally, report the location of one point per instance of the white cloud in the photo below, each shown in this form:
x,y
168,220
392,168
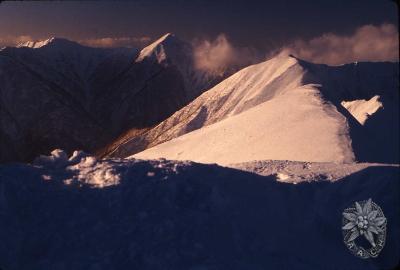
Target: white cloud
x,y
219,54
109,42
367,43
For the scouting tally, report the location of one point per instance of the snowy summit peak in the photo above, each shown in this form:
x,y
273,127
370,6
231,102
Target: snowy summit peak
x,y
166,36
46,42
159,49
35,44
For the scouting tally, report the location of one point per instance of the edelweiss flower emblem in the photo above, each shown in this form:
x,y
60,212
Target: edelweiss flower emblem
x,y
365,219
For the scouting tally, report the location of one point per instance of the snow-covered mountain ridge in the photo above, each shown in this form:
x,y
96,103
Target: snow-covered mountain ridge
x,y
284,108
36,44
160,48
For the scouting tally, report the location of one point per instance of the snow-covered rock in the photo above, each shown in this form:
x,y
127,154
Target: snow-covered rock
x,y
363,109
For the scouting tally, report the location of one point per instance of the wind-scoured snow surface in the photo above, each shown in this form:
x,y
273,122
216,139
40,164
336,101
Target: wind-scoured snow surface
x,y
83,213
284,109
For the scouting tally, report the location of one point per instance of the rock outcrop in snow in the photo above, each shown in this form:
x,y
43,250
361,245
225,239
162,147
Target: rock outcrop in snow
x,y
363,109
284,108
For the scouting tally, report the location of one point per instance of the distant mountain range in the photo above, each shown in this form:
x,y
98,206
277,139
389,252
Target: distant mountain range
x,y
59,94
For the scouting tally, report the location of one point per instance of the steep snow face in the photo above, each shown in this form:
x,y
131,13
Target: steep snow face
x,y
282,94
249,87
362,109
298,97
363,81
292,126
57,214
161,49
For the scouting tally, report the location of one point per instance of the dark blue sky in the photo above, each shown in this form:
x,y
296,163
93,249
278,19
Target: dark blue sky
x,y
261,24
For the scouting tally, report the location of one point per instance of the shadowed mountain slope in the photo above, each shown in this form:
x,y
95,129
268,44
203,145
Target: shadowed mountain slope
x,y
59,94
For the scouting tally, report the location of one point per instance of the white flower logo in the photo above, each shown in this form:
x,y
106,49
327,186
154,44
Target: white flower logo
x,y
367,220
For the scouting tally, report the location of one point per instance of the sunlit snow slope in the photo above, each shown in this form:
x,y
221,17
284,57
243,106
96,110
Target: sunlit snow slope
x,y
284,109
294,126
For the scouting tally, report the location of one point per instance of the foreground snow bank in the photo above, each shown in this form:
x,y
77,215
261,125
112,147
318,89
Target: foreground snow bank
x,y
83,213
79,168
